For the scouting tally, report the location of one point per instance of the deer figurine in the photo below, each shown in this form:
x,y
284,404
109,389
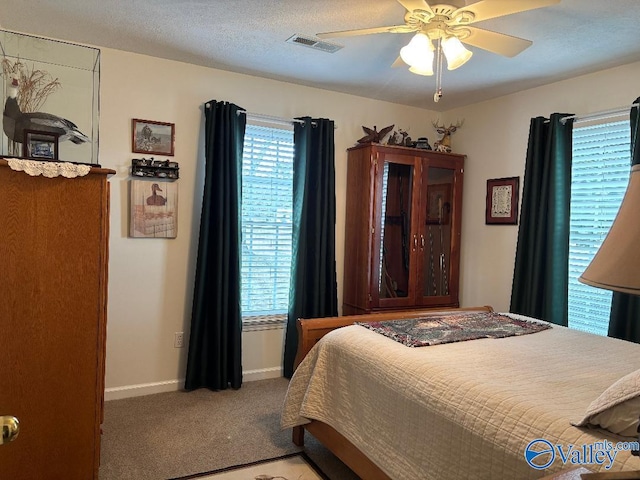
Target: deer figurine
x,y
444,144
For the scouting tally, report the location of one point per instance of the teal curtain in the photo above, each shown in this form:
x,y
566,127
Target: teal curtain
x,y
313,287
214,358
624,320
540,280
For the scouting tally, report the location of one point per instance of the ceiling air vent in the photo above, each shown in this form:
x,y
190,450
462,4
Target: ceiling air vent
x,y
315,43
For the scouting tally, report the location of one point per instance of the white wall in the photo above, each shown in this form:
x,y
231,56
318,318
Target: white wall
x,y
151,280
494,137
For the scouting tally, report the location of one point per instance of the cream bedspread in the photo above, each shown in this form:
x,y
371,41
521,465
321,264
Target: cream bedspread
x,y
460,410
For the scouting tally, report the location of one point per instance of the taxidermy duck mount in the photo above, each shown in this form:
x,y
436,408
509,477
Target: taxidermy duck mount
x,y
15,122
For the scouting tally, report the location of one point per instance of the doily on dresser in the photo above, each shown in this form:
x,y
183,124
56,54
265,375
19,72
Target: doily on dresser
x,y
48,169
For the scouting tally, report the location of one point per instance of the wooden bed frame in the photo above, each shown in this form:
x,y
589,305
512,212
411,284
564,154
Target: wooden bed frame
x,y
309,332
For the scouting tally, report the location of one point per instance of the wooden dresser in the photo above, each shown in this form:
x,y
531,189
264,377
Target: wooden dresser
x,y
53,295
402,234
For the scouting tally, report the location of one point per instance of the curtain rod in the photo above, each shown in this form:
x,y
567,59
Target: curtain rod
x,y
615,112
265,118
269,118
276,120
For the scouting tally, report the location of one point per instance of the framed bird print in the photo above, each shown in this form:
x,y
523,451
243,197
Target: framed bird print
x,y
39,145
148,136
154,209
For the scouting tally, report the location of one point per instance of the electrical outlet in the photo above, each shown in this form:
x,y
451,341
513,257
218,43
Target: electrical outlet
x,y
178,340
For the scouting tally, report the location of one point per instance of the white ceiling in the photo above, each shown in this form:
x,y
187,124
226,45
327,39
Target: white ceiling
x,y
248,36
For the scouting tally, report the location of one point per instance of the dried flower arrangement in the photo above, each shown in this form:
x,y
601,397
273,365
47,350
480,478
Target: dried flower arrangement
x,y
34,87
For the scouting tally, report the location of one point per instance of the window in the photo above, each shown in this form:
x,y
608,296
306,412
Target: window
x,y
600,174
267,204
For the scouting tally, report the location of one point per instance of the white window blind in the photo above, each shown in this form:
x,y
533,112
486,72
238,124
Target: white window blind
x,y
267,198
600,174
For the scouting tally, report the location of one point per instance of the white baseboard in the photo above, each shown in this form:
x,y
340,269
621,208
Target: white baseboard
x,y
261,374
117,393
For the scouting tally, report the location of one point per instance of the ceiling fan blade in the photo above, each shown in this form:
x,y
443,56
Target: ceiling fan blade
x,y
496,42
412,5
368,31
398,63
486,9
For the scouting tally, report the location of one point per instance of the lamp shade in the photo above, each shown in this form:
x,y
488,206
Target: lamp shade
x,y
418,54
455,52
616,265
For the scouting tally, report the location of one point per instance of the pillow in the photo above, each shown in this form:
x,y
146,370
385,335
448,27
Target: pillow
x,y
617,409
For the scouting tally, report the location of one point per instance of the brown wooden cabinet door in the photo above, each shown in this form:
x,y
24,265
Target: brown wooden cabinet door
x,y
394,259
52,291
439,233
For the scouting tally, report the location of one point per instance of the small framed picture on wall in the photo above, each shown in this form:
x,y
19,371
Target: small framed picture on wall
x,y
148,136
502,201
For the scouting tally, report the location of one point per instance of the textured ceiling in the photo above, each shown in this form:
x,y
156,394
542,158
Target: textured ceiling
x,y
248,36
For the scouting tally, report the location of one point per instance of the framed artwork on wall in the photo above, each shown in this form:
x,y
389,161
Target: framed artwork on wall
x,y
148,136
502,201
154,209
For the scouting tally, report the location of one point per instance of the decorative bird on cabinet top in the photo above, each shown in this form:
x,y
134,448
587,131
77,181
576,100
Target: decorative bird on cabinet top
x,y
374,135
15,122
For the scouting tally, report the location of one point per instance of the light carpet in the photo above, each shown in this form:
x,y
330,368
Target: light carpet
x,y
175,434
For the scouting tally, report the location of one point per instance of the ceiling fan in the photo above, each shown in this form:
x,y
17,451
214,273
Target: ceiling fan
x,y
442,28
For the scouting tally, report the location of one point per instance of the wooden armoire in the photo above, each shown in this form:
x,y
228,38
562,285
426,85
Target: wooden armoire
x,y
53,282
402,234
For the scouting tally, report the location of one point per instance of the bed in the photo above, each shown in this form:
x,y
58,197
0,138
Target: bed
x,y
465,409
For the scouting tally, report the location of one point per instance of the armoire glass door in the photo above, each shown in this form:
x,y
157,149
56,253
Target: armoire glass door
x,y
436,233
395,232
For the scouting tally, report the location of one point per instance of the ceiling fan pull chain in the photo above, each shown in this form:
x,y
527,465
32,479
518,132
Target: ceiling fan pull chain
x,y
438,95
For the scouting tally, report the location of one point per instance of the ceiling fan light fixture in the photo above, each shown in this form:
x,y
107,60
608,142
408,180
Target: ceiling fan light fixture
x,y
456,54
447,25
427,70
424,65
418,52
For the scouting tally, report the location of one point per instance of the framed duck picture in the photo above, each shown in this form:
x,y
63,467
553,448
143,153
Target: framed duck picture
x,y
154,209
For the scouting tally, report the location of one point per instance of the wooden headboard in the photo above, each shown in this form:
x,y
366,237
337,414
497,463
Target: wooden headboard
x,y
310,330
